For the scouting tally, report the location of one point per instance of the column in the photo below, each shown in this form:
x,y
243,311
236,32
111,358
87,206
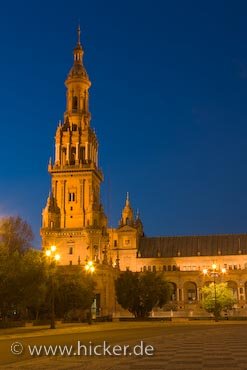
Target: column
x,y
77,152
56,153
182,294
198,294
239,294
86,151
97,161
67,153
177,294
93,154
89,151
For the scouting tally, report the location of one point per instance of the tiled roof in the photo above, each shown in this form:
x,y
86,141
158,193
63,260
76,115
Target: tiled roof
x,y
188,246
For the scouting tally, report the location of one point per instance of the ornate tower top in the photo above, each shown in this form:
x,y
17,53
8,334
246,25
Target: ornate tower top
x,y
77,84
127,213
78,70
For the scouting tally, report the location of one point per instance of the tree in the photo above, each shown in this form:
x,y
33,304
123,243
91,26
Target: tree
x,y
15,235
23,279
74,290
139,293
33,280
217,298
23,270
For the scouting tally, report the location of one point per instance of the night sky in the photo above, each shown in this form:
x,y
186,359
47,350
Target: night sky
x,y
168,102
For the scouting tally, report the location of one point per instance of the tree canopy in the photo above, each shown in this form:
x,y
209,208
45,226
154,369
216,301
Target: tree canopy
x,y
26,276
217,298
15,235
74,290
139,293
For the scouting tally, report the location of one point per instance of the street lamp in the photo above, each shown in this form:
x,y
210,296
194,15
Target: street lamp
x,y
89,267
53,257
214,272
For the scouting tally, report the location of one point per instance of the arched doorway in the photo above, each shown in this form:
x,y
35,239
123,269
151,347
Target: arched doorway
x,y
190,292
173,288
234,287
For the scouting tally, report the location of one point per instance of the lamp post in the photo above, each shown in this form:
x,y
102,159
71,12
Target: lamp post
x,y
53,258
214,272
89,267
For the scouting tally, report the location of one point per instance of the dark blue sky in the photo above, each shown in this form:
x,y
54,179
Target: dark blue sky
x,y
168,101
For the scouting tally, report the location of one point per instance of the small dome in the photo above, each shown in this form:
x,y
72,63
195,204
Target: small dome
x,y
79,71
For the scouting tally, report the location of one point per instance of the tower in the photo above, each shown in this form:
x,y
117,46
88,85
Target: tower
x,y
127,213
124,240
73,218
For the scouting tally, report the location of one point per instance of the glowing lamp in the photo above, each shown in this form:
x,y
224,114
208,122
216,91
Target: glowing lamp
x,y
53,248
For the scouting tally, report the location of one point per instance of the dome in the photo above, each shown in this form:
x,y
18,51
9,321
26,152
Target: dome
x,y
77,71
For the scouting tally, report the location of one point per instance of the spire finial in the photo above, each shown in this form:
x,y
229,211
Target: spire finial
x,y
79,34
127,198
137,214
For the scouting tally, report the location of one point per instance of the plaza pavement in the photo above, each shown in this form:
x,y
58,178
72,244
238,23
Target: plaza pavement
x,y
178,346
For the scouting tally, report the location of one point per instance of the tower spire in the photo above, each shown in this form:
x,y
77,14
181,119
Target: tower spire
x,y
79,35
127,199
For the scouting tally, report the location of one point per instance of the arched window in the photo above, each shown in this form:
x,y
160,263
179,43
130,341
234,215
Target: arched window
x,y
73,155
74,103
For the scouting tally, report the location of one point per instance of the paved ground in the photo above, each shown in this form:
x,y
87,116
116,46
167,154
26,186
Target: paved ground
x,y
181,346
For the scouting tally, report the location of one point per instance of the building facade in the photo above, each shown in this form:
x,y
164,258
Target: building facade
x,y
74,219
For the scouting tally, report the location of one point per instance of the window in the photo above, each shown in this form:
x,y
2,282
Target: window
x,y
82,154
164,268
73,155
149,268
74,103
144,268
154,268
70,250
169,268
71,197
115,243
127,242
70,263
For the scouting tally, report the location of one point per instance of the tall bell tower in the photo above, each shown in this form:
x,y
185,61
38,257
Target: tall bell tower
x,y
73,218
